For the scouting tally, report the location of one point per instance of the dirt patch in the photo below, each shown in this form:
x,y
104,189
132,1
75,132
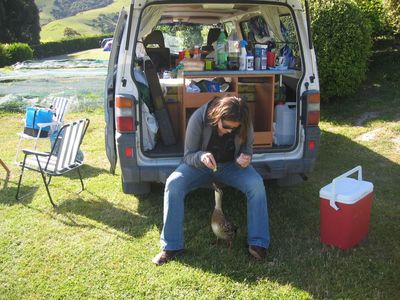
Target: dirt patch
x,y
370,135
365,117
396,142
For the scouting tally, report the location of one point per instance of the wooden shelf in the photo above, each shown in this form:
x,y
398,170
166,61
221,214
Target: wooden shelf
x,y
261,108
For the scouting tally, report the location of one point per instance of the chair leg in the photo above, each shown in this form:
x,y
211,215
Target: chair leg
x,y
20,178
45,183
80,177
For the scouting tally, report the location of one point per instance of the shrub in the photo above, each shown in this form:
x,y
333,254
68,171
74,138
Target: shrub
x,y
18,52
342,37
393,8
67,46
4,59
375,11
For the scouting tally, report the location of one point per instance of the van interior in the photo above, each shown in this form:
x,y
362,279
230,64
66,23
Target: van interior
x,y
175,66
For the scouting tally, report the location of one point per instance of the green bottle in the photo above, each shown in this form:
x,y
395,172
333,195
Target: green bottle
x,y
222,55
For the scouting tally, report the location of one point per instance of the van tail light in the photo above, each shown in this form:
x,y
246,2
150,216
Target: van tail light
x,y
313,108
125,124
125,114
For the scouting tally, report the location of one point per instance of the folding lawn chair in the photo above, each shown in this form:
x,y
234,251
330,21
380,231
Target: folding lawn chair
x,y
58,106
62,158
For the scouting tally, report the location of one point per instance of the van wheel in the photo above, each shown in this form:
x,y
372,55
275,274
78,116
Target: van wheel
x,y
136,188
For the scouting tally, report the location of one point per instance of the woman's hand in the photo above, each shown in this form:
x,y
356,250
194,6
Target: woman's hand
x,y
243,160
208,160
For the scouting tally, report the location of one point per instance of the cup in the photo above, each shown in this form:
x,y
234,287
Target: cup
x,y
271,59
208,64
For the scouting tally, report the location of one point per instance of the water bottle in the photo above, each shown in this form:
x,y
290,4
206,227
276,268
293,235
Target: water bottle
x,y
243,55
233,51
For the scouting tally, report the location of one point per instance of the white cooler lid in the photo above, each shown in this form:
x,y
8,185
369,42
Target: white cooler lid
x,y
348,190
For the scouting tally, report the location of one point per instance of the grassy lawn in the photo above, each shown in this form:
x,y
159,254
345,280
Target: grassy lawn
x,y
86,54
99,244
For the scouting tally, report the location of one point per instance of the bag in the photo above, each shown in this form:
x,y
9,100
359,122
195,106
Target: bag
x,y
149,128
35,115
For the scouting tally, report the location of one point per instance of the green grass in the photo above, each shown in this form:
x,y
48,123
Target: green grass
x,y
86,54
80,22
99,244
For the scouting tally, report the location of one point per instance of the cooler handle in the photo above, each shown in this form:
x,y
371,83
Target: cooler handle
x,y
332,202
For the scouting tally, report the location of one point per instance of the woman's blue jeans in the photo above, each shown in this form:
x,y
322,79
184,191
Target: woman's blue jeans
x,y
187,178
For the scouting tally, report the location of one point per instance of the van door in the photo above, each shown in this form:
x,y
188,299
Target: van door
x,y
109,95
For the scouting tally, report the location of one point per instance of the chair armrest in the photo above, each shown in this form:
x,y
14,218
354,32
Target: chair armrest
x,y
48,124
33,152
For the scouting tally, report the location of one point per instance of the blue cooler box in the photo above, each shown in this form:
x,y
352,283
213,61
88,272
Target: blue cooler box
x,y
35,115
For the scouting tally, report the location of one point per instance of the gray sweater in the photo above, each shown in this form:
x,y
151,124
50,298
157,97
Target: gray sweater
x,y
198,134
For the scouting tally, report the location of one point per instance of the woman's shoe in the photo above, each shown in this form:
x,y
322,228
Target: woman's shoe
x,y
257,252
165,255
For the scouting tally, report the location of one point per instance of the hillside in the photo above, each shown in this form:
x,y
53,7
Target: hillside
x,y
89,22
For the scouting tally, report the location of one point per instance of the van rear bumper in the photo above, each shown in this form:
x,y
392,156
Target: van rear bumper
x,y
134,174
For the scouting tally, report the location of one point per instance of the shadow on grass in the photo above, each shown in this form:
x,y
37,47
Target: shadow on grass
x,y
87,171
127,221
8,193
296,256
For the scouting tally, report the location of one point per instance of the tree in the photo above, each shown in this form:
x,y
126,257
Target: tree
x,y
19,22
70,32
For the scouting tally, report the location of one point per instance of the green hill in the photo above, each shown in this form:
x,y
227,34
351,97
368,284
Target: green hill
x,y
90,22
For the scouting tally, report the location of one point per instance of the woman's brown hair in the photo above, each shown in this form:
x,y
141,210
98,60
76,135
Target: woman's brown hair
x,y
230,108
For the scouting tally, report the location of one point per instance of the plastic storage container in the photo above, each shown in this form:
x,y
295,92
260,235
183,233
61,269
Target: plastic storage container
x,y
345,206
34,116
285,123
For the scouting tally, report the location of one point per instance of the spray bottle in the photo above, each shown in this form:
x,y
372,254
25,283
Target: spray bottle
x,y
243,55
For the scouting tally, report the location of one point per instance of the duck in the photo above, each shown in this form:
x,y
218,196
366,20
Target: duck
x,y
222,228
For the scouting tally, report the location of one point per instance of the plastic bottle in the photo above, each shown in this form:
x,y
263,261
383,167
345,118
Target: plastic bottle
x,y
222,57
264,49
257,57
187,54
250,62
233,51
196,53
243,55
285,118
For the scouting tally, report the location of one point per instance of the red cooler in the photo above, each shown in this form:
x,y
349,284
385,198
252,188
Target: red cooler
x,y
345,206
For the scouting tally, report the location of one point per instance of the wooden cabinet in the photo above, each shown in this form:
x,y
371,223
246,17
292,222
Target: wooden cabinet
x,y
260,98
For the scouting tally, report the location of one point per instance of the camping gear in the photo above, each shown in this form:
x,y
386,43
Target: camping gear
x,y
67,143
35,115
160,109
45,121
345,206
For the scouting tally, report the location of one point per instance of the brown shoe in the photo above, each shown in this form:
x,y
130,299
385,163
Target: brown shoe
x,y
165,255
257,252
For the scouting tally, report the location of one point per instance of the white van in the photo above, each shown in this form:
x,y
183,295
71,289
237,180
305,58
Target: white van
x,y
170,57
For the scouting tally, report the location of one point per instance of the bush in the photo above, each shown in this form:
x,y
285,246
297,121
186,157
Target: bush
x,y
375,11
4,58
67,46
393,11
18,52
342,37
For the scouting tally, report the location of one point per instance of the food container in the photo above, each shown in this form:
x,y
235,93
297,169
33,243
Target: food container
x,y
345,206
